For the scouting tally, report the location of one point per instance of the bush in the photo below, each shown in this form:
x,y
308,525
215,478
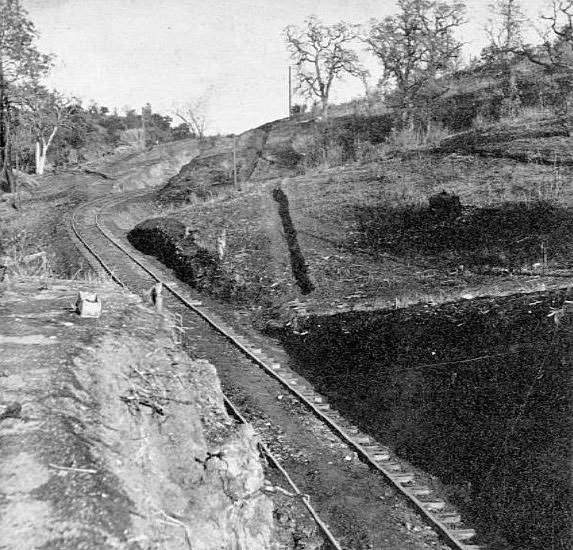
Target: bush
x,y
341,139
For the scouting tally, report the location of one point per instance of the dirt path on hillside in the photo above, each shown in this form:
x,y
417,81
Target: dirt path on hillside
x,y
41,223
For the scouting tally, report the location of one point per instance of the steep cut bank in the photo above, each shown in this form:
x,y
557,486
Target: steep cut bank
x,y
148,168
178,248
476,393
112,437
212,173
277,149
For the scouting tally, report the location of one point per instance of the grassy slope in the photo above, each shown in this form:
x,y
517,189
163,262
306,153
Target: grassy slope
x,y
358,228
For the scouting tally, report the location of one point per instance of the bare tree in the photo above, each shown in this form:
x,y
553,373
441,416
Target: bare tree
x,y
505,28
416,47
194,114
44,112
555,54
322,54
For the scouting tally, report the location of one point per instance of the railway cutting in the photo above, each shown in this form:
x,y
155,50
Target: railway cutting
x,y
379,468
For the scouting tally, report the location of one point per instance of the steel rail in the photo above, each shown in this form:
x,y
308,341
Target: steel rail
x,y
371,453
90,249
305,499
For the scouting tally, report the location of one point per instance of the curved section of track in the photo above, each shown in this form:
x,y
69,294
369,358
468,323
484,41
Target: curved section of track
x,y
90,211
88,228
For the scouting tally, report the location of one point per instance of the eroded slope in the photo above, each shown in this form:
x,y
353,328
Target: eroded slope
x,y
112,438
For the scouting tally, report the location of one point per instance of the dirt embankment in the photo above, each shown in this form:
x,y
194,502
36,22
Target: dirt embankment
x,y
266,150
476,393
151,167
178,248
365,231
113,438
278,149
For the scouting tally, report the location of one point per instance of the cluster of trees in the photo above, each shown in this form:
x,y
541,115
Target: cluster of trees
x,y
418,49
38,125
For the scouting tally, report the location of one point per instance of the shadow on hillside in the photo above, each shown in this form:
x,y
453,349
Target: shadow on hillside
x,y
298,263
508,236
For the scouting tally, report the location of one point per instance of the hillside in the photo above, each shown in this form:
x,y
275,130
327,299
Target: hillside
x,y
365,229
420,321
314,247
107,426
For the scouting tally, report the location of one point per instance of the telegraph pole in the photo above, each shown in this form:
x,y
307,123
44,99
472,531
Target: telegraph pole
x,y
143,127
289,91
235,161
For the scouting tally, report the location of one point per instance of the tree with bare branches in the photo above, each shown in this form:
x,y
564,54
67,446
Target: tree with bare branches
x,y
44,112
416,47
194,114
555,55
322,54
556,50
505,27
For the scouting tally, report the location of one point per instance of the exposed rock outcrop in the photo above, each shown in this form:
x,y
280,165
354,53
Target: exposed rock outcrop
x,y
120,441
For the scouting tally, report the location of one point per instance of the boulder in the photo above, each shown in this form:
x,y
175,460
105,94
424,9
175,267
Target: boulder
x,y
445,205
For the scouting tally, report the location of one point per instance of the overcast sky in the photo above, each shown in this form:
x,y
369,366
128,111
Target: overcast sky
x,y
129,52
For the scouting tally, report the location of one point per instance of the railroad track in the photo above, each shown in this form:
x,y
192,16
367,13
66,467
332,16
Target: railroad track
x,y
128,268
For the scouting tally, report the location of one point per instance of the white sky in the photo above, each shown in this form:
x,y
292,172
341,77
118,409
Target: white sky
x,y
129,52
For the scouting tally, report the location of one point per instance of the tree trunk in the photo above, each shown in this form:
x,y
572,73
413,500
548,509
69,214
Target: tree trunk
x,y
513,92
564,100
511,100
9,175
40,156
324,101
37,154
408,116
42,151
6,177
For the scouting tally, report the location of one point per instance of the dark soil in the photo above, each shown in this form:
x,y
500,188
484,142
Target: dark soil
x,y
473,139
476,393
167,239
540,141
195,260
510,235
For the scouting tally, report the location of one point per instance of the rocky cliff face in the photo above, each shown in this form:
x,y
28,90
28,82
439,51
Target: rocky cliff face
x,y
268,151
118,439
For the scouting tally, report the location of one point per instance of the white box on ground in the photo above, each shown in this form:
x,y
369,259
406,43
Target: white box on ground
x,y
88,304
